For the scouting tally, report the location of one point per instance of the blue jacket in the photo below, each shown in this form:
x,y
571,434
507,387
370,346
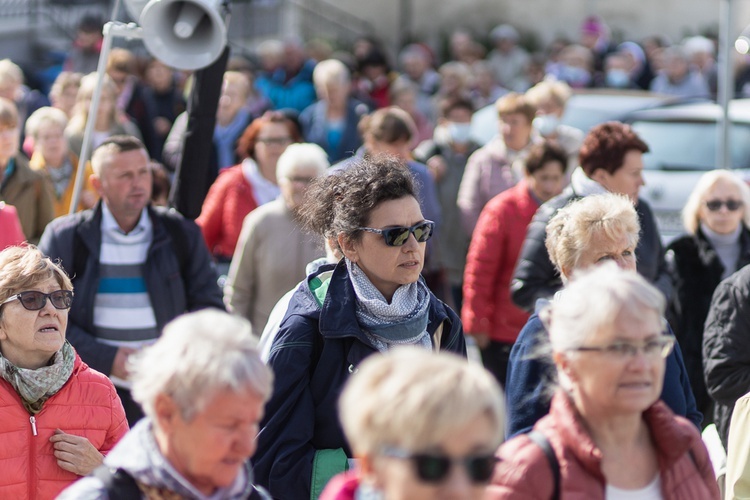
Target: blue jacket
x,y
173,287
288,91
315,128
528,389
313,355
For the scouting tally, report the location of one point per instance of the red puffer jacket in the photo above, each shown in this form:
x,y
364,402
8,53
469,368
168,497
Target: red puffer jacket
x,y
87,405
228,201
524,471
495,246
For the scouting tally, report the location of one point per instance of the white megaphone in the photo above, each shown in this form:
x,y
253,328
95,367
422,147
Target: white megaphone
x,y
183,34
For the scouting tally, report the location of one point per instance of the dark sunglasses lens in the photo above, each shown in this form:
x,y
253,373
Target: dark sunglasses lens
x,y
713,205
480,469
733,205
61,299
33,301
423,232
432,469
396,236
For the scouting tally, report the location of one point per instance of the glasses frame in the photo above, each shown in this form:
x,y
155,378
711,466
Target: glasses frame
x,y
67,295
388,231
467,462
731,204
615,349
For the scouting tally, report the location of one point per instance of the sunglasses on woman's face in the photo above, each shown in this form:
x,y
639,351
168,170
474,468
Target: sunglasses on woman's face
x,y
397,236
715,205
436,468
34,301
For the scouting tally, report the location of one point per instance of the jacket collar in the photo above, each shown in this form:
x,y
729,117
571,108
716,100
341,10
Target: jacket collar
x,y
707,254
89,229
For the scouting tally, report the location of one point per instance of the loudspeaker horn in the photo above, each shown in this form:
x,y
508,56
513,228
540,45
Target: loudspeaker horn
x,y
184,34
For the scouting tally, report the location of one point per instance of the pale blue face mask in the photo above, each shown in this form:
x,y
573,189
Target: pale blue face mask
x,y
575,76
617,78
546,124
459,132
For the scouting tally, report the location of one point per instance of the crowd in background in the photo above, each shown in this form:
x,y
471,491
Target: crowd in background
x,y
319,155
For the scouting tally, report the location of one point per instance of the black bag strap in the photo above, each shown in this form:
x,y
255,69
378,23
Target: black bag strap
x,y
118,483
541,440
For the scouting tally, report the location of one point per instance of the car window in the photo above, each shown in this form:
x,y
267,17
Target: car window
x,y
690,145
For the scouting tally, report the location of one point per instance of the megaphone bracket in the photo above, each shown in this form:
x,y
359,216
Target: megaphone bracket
x,y
129,31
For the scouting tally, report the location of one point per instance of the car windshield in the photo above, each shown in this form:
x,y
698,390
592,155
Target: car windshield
x,y
690,145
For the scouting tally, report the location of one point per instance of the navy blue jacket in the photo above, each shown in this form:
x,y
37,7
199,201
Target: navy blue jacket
x,y
315,128
528,391
313,355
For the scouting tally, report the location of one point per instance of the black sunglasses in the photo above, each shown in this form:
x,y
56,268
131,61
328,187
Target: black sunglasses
x,y
435,468
397,236
715,205
34,301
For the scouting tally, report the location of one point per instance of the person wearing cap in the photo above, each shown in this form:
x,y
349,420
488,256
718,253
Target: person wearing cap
x,y
507,59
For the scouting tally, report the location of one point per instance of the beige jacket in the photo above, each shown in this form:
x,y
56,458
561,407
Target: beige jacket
x,y
269,260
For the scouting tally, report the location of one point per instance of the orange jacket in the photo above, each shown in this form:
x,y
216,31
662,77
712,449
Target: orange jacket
x,y
228,201
62,204
524,472
495,246
87,405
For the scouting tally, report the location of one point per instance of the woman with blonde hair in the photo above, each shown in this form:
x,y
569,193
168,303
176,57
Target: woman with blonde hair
x,y
421,426
716,218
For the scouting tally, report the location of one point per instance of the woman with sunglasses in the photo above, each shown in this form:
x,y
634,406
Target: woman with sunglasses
x,y
57,416
716,217
422,426
370,302
607,434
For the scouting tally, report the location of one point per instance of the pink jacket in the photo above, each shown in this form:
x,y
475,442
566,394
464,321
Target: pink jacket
x,y
228,201
495,246
524,472
10,227
87,405
341,487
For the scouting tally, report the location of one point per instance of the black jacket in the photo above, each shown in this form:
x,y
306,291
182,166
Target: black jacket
x,y
726,347
535,276
696,271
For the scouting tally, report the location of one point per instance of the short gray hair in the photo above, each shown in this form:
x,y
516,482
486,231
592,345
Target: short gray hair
x,y
331,70
42,116
301,155
691,210
413,398
198,354
572,228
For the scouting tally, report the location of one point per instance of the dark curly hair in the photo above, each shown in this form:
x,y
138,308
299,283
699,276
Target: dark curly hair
x,y
606,145
343,201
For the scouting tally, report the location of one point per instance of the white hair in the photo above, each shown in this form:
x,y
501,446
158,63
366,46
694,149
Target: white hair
x,y
45,115
10,72
329,71
301,155
198,354
691,210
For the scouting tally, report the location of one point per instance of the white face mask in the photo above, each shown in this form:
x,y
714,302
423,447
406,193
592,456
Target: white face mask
x,y
546,124
459,132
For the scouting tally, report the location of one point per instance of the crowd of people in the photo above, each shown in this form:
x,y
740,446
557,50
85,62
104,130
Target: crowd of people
x,y
367,285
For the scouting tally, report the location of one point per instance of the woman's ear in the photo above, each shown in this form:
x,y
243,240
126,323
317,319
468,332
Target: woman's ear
x,y
166,412
347,247
563,363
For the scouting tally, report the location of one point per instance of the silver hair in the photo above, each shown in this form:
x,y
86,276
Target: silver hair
x,y
329,71
691,210
301,155
198,354
45,115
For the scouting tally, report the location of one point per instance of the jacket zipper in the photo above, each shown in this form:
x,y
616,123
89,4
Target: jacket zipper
x,y
32,419
32,458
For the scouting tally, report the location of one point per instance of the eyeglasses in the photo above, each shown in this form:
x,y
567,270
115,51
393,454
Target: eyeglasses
x,y
659,347
275,141
34,301
301,180
397,236
435,468
732,205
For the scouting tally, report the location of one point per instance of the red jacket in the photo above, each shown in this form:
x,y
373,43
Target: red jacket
x,y
87,405
524,472
495,246
228,201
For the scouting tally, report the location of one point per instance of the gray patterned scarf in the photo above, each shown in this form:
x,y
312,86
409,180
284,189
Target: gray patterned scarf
x,y
37,386
402,322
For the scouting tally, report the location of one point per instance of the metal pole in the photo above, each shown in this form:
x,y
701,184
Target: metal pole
x,y
725,85
110,30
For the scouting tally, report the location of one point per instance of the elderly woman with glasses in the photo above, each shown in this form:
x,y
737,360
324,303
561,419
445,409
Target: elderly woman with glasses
x,y
592,230
371,301
422,426
716,218
57,415
607,435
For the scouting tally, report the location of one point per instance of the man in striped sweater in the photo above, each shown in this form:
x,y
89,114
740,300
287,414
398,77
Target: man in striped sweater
x,y
134,267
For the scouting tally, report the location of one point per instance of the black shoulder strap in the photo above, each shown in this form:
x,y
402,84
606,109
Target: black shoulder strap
x,y
179,241
118,483
541,440
80,256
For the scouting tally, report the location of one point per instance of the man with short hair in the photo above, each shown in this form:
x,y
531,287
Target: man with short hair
x,y
134,267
